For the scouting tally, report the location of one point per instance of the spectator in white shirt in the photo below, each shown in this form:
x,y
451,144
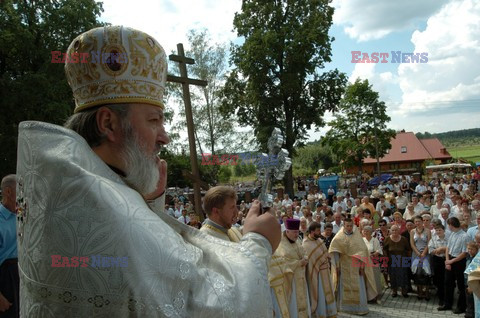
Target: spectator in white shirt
x,y
473,230
169,210
380,204
304,201
298,213
402,202
348,197
420,188
178,210
337,223
354,211
417,206
184,217
338,203
286,200
410,213
319,195
455,210
475,206
435,209
444,215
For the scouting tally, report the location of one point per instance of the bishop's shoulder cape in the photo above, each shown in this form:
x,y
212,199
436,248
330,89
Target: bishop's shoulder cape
x,y
72,205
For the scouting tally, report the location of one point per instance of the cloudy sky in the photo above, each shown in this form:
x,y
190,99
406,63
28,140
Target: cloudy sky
x,y
440,95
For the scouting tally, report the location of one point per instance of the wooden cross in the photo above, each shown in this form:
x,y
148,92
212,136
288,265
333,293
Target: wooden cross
x,y
185,81
268,173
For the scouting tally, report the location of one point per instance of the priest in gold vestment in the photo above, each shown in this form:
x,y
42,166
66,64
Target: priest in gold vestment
x,y
287,275
320,286
353,280
220,204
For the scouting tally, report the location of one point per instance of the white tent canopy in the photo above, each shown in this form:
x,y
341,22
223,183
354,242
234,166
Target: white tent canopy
x,y
450,165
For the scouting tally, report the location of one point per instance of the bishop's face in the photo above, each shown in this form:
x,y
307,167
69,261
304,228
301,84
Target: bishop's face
x,y
148,124
143,136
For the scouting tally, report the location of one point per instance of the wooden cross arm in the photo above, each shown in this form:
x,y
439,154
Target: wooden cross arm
x,y
181,59
177,79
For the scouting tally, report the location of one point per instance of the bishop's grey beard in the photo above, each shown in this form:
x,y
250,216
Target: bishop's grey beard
x,y
140,167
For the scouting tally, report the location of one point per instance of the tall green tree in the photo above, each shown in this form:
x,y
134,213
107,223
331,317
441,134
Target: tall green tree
x,y
360,127
311,157
31,87
277,79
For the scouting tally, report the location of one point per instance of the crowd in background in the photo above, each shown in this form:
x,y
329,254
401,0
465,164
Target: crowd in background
x,y
434,224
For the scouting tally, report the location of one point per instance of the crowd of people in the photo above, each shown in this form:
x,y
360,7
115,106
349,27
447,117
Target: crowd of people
x,y
426,234
418,241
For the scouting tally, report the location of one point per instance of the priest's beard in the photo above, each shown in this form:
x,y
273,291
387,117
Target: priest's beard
x,y
140,167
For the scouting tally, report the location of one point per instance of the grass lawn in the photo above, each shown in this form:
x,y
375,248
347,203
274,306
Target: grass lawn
x,y
471,153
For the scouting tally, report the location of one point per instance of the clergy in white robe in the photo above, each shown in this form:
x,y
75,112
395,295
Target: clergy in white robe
x,y
220,204
320,286
81,197
287,275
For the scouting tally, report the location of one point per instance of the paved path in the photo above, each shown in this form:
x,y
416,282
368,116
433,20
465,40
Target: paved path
x,y
409,307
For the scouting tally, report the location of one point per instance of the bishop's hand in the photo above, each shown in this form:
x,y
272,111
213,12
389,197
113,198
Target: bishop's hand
x,y
263,224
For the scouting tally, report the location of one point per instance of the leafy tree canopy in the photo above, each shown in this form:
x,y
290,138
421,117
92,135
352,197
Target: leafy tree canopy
x,y
33,88
360,126
277,79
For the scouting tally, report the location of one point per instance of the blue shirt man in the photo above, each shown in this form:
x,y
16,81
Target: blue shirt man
x,y
8,234
9,280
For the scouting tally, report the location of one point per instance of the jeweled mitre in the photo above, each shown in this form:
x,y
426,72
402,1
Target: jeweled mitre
x,y
123,65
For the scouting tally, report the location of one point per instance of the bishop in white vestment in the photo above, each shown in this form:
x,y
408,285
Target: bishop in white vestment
x,y
88,243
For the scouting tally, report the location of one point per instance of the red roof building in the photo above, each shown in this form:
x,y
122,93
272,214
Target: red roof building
x,y
407,154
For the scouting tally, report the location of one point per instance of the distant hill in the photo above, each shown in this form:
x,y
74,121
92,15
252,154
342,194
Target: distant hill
x,y
456,138
465,133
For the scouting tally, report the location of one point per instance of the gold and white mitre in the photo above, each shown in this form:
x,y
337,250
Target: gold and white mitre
x,y
140,78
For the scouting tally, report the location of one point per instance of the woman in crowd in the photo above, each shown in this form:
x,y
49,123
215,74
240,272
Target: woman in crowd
x,y
399,221
309,217
419,238
304,201
358,217
395,248
426,218
327,235
435,209
387,216
303,228
427,200
375,251
367,215
381,234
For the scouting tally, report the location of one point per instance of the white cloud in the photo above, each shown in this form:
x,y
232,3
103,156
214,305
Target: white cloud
x,y
373,19
169,21
451,39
